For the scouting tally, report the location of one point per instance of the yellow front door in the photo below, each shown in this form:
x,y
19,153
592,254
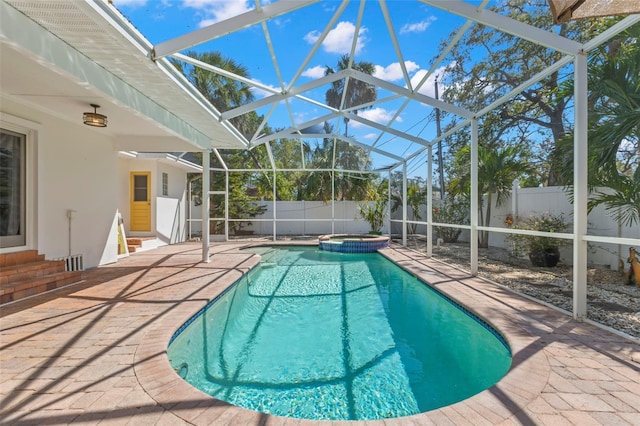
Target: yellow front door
x,y
140,201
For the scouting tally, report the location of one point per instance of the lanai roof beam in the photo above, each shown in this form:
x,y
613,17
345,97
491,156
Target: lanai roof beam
x,y
378,126
611,32
345,139
407,93
227,26
508,25
280,96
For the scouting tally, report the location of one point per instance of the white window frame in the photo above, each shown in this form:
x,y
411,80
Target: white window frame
x,y
165,184
31,130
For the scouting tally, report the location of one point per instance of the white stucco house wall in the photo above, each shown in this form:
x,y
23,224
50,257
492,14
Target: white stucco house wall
x,y
65,184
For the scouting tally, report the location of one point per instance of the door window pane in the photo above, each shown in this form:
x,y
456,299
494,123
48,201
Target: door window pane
x,y
140,188
12,189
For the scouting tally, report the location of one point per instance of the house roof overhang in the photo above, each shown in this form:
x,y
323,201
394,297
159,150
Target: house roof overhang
x,y
566,10
63,57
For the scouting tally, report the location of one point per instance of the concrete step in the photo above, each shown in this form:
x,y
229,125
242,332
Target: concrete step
x,y
19,257
143,243
23,271
26,273
29,287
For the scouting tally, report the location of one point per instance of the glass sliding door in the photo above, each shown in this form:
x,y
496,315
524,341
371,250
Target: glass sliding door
x,y
12,189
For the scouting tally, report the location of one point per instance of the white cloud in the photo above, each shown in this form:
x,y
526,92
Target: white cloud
x,y
377,115
417,27
261,93
339,39
312,36
393,72
428,88
315,72
370,136
218,10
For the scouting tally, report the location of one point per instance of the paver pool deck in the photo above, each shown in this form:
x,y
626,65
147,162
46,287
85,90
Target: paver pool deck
x,y
95,352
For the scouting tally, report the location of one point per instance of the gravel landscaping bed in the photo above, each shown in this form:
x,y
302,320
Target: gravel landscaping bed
x,y
610,302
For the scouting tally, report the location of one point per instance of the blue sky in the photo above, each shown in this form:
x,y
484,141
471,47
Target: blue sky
x,y
419,29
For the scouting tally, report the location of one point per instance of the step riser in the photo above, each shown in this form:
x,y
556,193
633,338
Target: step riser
x,y
39,286
26,273
30,270
18,258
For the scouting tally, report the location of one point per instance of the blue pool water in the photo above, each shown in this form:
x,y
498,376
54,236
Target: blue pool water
x,y
322,335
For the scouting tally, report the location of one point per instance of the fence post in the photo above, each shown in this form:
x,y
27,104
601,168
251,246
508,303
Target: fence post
x,y
514,197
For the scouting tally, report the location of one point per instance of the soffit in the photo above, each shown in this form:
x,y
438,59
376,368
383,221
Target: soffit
x,y
112,43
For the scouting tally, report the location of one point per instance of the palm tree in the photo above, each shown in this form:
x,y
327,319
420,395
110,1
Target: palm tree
x,y
226,93
616,122
223,92
319,182
346,186
416,197
357,92
498,167
614,128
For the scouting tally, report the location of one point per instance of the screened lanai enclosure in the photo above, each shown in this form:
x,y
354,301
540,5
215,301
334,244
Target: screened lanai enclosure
x,y
404,110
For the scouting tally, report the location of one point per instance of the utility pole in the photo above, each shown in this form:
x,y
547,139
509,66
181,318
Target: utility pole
x,y
438,133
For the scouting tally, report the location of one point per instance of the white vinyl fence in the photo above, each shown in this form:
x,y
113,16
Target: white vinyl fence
x,y
317,218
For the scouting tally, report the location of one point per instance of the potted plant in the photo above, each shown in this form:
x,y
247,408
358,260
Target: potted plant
x,y
542,251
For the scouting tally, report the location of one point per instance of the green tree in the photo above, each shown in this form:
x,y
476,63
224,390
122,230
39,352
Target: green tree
x,y
356,92
374,214
290,185
416,197
509,62
226,93
614,128
498,167
223,92
614,134
342,157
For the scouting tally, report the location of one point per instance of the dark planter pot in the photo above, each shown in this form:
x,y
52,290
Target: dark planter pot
x,y
547,258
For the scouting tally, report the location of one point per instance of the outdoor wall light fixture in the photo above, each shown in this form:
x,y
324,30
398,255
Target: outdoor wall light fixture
x,y
93,118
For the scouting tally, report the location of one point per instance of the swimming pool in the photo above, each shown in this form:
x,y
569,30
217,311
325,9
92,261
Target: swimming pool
x,y
322,335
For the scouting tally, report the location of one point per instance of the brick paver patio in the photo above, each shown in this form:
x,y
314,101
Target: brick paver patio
x,y
94,353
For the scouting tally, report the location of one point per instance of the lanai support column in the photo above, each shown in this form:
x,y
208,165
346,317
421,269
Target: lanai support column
x,y
226,205
580,191
206,201
473,234
430,200
333,201
404,204
389,204
275,208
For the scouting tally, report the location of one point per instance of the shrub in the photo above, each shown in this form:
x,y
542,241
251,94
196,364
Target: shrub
x,y
454,211
374,213
544,222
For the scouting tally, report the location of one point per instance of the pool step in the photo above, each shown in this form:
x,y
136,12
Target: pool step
x,y
27,273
